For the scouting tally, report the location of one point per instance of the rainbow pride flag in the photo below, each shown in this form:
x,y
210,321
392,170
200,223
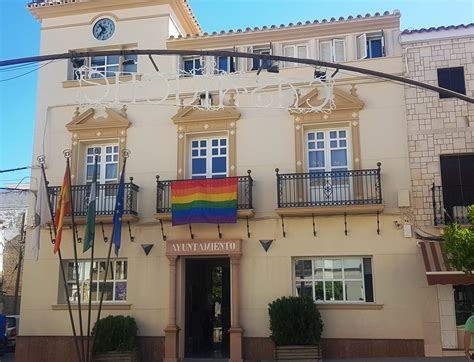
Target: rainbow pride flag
x,y
212,201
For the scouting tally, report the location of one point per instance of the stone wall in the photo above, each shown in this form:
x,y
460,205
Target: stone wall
x,y
436,126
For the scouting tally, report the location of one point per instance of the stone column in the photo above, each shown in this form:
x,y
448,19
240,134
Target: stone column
x,y
172,330
235,328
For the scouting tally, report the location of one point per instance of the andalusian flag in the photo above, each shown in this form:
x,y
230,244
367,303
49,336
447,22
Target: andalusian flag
x,y
212,201
90,226
63,209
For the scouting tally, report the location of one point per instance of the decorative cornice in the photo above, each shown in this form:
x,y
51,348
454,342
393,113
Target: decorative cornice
x,y
86,121
56,8
288,32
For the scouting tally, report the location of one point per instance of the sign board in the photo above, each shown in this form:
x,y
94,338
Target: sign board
x,y
204,247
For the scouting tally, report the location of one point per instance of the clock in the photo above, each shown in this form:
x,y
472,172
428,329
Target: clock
x,y
103,29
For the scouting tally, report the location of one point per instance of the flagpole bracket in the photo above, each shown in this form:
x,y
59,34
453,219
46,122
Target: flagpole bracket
x,y
283,226
219,231
67,153
191,231
132,238
41,160
162,230
126,153
106,239
314,227
248,228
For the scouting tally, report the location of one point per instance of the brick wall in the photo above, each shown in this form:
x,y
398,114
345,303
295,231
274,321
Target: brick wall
x,y
436,126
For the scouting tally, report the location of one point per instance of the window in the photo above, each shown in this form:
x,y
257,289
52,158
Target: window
x,y
345,279
298,51
327,150
192,65
452,79
457,173
107,167
370,45
463,302
332,50
226,64
209,157
115,286
265,64
104,66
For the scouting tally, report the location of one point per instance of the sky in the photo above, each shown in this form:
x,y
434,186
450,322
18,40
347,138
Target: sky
x,y
19,37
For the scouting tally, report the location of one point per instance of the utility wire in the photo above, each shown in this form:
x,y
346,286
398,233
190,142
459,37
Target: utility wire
x,y
29,72
15,169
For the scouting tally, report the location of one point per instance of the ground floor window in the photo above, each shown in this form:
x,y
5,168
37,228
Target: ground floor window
x,y
115,286
334,279
464,302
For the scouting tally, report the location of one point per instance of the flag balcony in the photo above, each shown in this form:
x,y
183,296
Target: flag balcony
x,y
106,197
244,197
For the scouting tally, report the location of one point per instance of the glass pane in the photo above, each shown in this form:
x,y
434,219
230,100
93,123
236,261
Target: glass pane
x,y
195,153
215,143
90,171
203,152
352,269
369,287
198,165
343,143
90,151
342,134
311,136
333,134
215,151
302,51
97,61
355,291
203,143
113,59
223,151
110,273
188,65
195,144
333,269
223,64
219,164
108,290
318,269
375,48
311,145
303,269
121,270
316,159
223,142
338,158
108,149
108,158
121,291
111,171
71,275
333,144
320,145
338,292
319,291
304,289
320,135
116,149
329,291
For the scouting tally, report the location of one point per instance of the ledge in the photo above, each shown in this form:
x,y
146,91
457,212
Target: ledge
x,y
106,219
330,210
95,306
241,214
348,306
99,81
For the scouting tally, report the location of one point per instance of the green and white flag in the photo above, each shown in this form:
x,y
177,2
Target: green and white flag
x,y
91,208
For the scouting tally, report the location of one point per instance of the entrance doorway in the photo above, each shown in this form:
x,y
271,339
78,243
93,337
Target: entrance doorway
x,y
207,308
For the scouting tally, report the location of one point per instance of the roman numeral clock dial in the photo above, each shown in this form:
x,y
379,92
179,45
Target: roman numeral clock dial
x,y
103,29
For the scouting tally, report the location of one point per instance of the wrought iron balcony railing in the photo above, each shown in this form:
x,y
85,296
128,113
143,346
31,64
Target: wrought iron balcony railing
x,y
334,188
105,202
450,204
244,194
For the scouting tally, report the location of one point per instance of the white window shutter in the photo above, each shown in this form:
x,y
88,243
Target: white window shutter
x,y
362,46
325,51
249,60
302,51
383,44
288,51
339,50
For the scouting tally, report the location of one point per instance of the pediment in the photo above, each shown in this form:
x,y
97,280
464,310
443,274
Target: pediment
x,y
192,114
343,100
88,120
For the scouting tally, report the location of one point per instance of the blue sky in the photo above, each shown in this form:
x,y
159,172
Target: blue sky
x,y
19,37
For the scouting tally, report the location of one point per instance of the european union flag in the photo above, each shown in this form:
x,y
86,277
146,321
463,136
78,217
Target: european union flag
x,y
118,213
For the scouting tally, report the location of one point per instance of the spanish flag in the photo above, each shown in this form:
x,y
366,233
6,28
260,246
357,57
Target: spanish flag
x,y
63,208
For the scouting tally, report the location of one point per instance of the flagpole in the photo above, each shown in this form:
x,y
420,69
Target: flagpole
x,y
67,155
89,356
41,161
126,154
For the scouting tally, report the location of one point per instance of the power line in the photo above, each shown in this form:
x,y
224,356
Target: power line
x,y
222,53
29,72
15,169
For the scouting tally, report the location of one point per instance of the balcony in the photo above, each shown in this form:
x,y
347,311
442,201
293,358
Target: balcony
x,y
244,197
450,204
105,204
329,193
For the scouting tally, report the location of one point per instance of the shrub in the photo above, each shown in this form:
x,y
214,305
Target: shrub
x,y
459,244
115,333
295,321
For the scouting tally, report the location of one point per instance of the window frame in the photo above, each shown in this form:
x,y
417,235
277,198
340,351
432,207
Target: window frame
x,y
102,179
327,147
451,69
194,71
364,40
313,280
332,43
209,147
265,49
87,61
98,281
295,54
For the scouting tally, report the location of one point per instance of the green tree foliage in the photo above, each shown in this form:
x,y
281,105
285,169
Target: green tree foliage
x,y
459,244
115,333
295,321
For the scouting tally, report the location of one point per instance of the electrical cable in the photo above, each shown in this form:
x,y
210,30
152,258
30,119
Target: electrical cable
x,y
15,169
29,72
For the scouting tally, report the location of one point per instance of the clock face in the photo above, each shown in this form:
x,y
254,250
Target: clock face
x,y
103,29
